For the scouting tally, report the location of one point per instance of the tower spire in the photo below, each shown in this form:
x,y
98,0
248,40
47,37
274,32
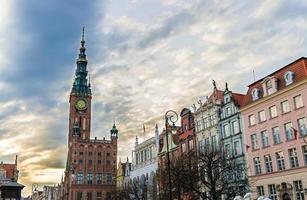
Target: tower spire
x,y
80,85
82,55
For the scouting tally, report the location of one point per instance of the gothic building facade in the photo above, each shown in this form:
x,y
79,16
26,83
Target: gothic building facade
x,y
91,163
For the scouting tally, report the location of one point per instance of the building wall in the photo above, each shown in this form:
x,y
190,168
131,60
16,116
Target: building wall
x,y
231,134
207,131
276,177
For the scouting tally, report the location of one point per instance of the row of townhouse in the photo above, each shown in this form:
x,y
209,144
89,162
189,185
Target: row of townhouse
x,y
263,130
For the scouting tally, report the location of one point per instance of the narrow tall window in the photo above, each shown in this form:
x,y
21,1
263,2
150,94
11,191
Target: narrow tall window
x,y
235,127
213,142
182,147
191,146
273,112
289,131
261,115
89,196
79,196
268,163
90,178
280,160
272,192
226,130
260,190
302,126
251,120
276,135
254,141
80,178
237,148
269,87
198,126
285,106
99,178
299,190
84,124
304,148
257,165
293,158
227,150
265,139
298,101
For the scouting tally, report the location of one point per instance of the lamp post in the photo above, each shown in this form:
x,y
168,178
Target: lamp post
x,y
170,117
34,188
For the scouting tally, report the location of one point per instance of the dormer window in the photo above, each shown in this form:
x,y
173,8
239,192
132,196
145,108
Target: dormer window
x,y
255,94
289,77
269,87
226,99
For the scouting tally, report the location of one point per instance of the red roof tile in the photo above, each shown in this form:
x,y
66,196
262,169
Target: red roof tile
x,y
299,67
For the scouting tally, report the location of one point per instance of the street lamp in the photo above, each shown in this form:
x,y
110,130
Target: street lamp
x,y
34,188
170,117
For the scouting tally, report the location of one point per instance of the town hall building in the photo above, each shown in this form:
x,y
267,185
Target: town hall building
x,y
91,163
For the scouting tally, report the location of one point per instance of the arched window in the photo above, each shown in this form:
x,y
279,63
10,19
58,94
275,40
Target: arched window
x,y
269,87
255,94
289,77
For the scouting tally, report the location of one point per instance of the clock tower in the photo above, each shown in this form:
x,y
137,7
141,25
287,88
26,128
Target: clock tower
x,y
80,99
91,162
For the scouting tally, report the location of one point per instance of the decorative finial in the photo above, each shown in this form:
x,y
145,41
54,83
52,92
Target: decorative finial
x,y
214,84
89,80
82,39
226,86
16,158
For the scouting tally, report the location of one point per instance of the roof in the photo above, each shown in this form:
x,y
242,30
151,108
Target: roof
x,y
281,69
11,184
298,67
239,98
216,94
184,111
9,168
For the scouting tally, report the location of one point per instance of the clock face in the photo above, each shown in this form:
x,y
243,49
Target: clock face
x,y
81,104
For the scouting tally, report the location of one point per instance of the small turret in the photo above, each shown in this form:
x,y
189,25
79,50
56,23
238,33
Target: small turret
x,y
157,136
114,131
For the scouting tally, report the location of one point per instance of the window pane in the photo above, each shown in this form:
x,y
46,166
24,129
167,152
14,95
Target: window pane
x,y
285,107
289,131
280,161
276,135
293,158
261,116
252,120
254,141
264,138
298,101
302,126
268,163
272,192
273,111
257,165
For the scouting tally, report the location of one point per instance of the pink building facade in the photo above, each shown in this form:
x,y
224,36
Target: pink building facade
x,y
275,129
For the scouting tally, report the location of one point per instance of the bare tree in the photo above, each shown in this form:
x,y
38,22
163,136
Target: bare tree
x,y
135,191
210,175
217,175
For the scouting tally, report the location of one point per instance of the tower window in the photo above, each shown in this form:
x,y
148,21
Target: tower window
x,y
84,124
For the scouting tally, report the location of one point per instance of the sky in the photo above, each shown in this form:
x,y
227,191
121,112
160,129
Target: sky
x,y
145,57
